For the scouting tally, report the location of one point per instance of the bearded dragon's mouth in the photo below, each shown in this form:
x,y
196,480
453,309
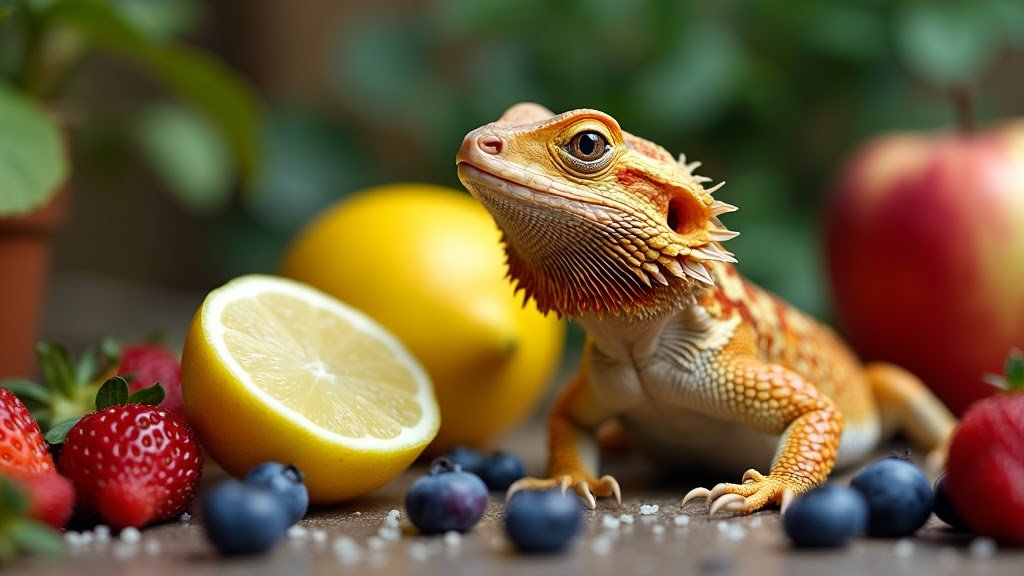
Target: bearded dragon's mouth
x,y
542,192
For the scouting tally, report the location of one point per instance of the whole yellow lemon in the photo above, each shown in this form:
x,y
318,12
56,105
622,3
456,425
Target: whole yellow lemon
x,y
426,262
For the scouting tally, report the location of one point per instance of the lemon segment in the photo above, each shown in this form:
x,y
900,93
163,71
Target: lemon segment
x,y
273,369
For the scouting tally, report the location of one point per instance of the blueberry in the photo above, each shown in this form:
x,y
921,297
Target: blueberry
x,y
501,470
944,508
446,499
826,517
898,494
468,458
543,521
286,483
240,519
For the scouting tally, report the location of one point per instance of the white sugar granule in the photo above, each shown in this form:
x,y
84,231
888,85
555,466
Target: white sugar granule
x,y
130,535
296,532
452,538
982,548
610,522
681,520
648,509
904,548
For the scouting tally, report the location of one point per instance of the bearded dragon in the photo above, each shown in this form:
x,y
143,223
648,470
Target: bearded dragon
x,y
699,366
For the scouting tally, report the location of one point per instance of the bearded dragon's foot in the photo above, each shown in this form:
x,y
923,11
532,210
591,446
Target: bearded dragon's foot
x,y
587,487
756,492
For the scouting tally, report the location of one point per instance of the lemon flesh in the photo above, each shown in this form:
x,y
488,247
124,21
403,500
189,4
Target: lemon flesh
x,y
276,370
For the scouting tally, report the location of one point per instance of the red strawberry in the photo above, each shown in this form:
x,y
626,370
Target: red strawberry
x,y
133,464
51,498
22,450
986,461
149,364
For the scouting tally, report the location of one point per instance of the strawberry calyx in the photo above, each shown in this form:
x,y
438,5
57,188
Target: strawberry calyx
x,y
69,385
113,392
1012,379
18,532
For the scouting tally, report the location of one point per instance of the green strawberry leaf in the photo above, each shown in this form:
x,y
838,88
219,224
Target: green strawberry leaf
x,y
36,538
113,392
13,500
32,394
59,432
56,367
98,359
1014,370
152,395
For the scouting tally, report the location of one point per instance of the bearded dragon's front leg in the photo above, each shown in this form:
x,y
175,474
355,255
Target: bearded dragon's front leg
x,y
572,446
777,400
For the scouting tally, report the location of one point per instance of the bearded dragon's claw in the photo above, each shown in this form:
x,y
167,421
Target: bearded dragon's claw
x,y
728,502
583,489
695,493
530,483
752,476
756,492
787,498
614,484
586,489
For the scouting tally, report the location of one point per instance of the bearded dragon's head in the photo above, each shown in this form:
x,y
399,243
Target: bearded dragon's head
x,y
594,220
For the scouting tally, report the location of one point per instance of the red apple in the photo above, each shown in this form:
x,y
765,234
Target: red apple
x,y
926,255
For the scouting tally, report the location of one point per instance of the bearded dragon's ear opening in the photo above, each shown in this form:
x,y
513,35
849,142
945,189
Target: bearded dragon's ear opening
x,y
686,214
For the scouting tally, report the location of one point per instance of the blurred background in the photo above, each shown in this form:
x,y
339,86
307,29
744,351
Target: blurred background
x,y
772,96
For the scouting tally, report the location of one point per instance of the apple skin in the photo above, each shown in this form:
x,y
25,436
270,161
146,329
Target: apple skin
x,y
925,253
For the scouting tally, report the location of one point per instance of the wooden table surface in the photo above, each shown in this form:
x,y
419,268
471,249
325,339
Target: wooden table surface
x,y
652,544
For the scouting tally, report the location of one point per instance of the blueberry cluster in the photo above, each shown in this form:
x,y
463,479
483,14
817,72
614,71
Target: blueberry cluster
x,y
889,498
249,517
453,496
498,470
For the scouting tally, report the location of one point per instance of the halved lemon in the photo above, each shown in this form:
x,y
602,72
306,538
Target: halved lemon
x,y
273,369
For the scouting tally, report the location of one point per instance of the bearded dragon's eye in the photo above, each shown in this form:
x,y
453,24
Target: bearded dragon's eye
x,y
588,146
588,151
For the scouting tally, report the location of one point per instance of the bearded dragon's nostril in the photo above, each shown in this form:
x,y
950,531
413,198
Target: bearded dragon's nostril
x,y
490,144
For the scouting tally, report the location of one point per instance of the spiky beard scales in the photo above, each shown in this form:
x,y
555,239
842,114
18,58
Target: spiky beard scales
x,y
576,265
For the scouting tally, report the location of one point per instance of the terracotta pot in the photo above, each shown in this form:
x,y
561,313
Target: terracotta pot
x,y
25,248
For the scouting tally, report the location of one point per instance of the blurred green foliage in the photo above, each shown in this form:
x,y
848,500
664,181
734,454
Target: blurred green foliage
x,y
771,95
195,143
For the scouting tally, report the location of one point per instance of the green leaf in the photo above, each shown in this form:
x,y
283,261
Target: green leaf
x,y
33,163
56,367
97,359
113,392
198,78
13,500
27,391
1014,370
151,395
189,154
160,19
59,432
222,95
946,42
36,538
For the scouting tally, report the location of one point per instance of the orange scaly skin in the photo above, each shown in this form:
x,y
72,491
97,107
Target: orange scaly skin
x,y
701,367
